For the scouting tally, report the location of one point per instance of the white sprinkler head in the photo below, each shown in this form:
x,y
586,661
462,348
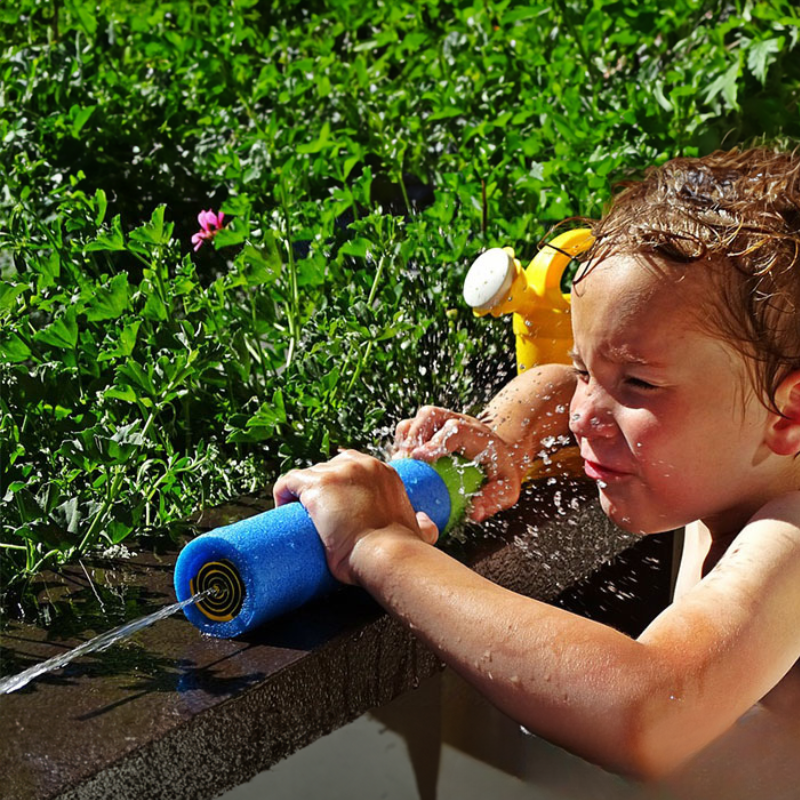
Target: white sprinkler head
x,y
489,279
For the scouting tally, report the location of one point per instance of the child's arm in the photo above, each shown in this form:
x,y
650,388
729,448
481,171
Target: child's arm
x,y
504,439
639,707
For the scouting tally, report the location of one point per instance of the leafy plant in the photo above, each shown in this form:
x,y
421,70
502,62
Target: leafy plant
x,y
363,155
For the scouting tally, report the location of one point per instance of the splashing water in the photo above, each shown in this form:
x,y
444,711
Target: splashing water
x,y
96,645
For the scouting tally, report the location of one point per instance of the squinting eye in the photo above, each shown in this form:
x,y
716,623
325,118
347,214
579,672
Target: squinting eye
x,y
581,374
640,384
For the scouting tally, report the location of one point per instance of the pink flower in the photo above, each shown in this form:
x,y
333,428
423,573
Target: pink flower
x,y
210,226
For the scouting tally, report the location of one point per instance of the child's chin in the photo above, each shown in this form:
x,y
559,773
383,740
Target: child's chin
x,y
633,522
621,517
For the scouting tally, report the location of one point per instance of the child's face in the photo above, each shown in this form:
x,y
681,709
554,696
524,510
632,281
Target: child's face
x,y
663,413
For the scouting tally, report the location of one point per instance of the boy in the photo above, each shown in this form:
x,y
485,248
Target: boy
x,y
685,402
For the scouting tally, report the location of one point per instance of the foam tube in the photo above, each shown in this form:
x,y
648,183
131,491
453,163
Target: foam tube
x,y
274,562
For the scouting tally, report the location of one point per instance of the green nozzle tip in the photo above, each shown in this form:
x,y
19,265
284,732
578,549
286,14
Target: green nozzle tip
x,y
463,478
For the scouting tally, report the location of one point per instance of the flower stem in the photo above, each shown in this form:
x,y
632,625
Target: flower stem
x,y
101,514
366,353
293,306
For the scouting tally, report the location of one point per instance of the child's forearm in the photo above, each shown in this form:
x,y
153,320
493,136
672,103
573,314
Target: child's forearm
x,y
531,410
572,680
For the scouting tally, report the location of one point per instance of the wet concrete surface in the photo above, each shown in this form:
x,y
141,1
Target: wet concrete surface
x,y
172,714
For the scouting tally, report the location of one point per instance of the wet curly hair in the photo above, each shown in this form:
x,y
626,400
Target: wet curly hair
x,y
736,214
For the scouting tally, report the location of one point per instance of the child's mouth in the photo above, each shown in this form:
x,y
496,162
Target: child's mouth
x,y
598,472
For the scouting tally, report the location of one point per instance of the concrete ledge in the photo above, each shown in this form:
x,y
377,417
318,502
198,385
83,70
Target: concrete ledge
x,y
171,714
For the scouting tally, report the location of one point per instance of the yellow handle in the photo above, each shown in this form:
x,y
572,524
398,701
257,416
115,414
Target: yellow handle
x,y
545,272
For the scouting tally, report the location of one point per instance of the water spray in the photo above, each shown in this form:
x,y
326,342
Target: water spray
x,y
272,563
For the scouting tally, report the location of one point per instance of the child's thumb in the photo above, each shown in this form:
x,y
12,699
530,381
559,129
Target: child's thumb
x,y
427,527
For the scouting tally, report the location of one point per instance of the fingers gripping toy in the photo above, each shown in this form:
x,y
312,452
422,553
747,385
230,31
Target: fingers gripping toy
x,y
274,562
497,284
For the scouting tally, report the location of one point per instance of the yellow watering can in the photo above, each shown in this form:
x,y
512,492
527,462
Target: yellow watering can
x,y
497,284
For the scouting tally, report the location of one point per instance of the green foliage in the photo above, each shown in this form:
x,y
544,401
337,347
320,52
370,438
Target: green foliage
x,y
364,154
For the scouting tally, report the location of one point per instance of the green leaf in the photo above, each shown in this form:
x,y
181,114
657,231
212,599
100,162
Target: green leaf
x,y
112,240
319,144
124,393
268,416
125,343
62,333
154,308
261,265
357,247
137,376
111,300
85,15
760,55
12,489
726,84
127,339
152,234
13,349
29,509
238,206
68,515
102,204
230,236
9,292
49,269
117,531
123,445
658,93
79,116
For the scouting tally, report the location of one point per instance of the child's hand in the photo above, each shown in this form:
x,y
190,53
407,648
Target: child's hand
x,y
349,498
436,432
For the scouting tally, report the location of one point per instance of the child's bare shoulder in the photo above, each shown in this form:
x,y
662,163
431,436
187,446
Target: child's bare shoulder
x,y
754,589
765,556
741,622
770,540
784,508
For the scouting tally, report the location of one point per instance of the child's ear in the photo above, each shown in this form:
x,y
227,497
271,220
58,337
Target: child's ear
x,y
783,437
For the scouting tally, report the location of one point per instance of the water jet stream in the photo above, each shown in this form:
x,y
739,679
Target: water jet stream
x,y
96,645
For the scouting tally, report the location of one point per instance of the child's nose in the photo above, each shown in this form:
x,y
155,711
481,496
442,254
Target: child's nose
x,y
590,416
